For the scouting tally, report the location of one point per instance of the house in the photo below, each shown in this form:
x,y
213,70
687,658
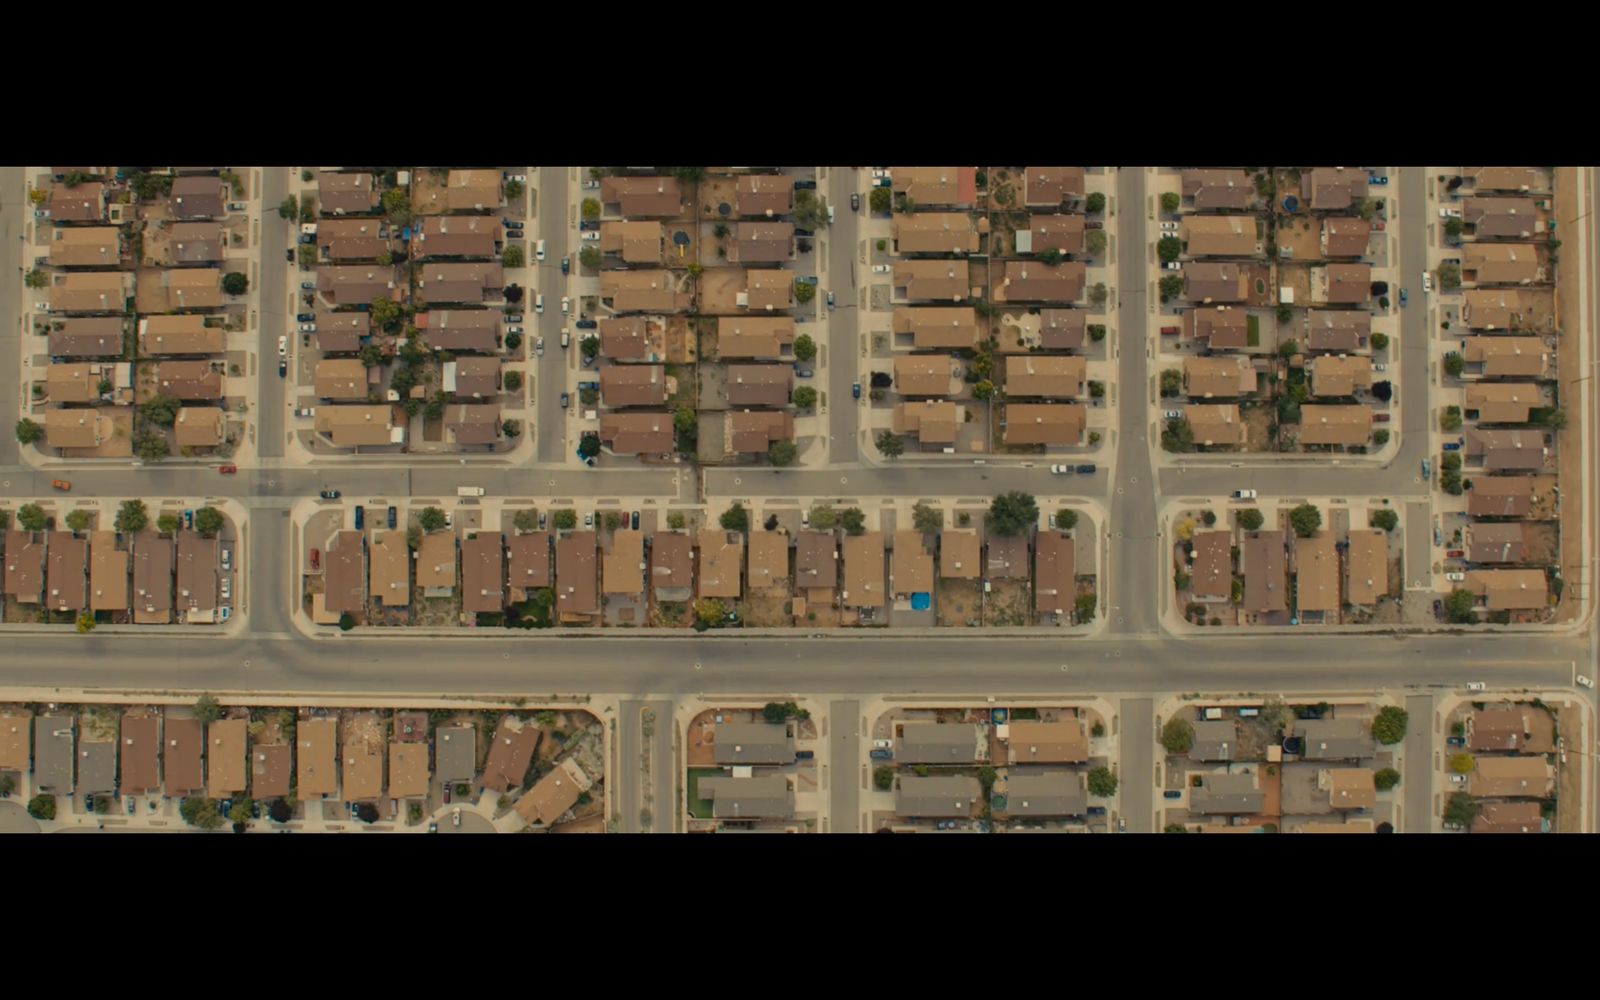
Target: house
x,y
960,743
1345,236
226,741
152,578
935,233
79,203
90,292
931,422
84,246
622,568
1215,425
183,742
928,187
1342,284
1496,543
739,743
1036,281
97,766
1494,309
389,566
1341,330
931,280
1046,376
1226,794
631,338
768,563
1334,739
1509,589
937,796
766,195
108,573
577,598
926,374
1220,236
1220,327
1526,180
648,433
672,566
1510,817
1055,575
550,798
1348,787
721,560
189,380
910,566
473,191
346,194
1316,576
1046,794
759,337
762,243
816,564
1510,778
87,337
1218,189
1366,566
1264,557
528,568
1501,496
201,197
863,570
436,564
457,330
178,335
1061,329
355,284
638,242
1340,374
80,429
510,754
341,379
763,797
960,555
351,239
1335,425
271,766
362,758
408,770
639,291
633,385
483,573
1214,739
140,750
72,383
938,327
1049,187
759,385
468,282
1211,566
353,426
472,378
1501,264
1333,189
1222,376
1214,281
1062,742
53,740
200,427
1502,402
1499,450
1049,424
344,573
1061,233
1496,729
1501,218
455,750
766,289
68,571
1507,357
644,197
457,236
1008,558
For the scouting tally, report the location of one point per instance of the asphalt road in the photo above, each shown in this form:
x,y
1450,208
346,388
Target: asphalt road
x,y
560,241
1136,768
844,767
274,275
1416,784
846,280
15,210
1130,603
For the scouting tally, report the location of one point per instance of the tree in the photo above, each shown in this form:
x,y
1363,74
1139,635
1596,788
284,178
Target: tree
x,y
983,389
1066,519
1379,341
684,419
1098,294
526,520
514,190
1096,202
42,807
1012,513
280,811
1449,275
308,209
804,292
1386,779
590,209
167,524
289,208
131,517
512,256
1102,782
1174,828
589,347
208,521
1461,809
1390,725
346,622
1380,437
201,812
36,279
590,257
1366,207
883,774
397,206
1461,763
1052,257
85,622
588,446
431,519
890,445
1382,391
513,381
880,200
778,712
1454,364
436,404
565,519
1453,227
1177,736
926,519
78,520
805,397
804,347
735,518
1169,248
1083,608
1458,607
808,210
1305,520
1250,519
824,517
207,710
853,520
235,282
28,432
675,520
1094,242
782,453
31,517
241,811
1170,201
161,410
709,611
1555,419
1177,436
1171,286
1385,519
385,312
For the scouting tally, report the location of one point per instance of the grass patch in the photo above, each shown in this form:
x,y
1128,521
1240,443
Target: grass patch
x,y
700,808
1252,326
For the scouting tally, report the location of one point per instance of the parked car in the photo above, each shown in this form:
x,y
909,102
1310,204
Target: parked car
x,y
1427,470
455,816
1456,554
808,185
394,517
566,305
1452,446
538,347
447,787
1169,227
1427,282
514,317
1380,367
588,519
227,558
1456,741
308,286
883,744
1172,793
591,236
1477,686
855,390
308,328
566,265
538,250
1455,577
1402,298
131,805
1172,265
228,470
1244,494
1086,469
802,372
316,559
830,300
1584,681
538,303
306,411
880,173
633,521
855,201
1061,470
566,400
330,494
283,346
1381,418
805,754
88,802
1438,536
514,329
283,369
1172,415
305,318
188,519
1449,212
881,268
1170,331
1458,779
60,484
586,324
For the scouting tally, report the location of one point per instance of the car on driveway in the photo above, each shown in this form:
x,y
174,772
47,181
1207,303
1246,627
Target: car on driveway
x,y
633,521
447,787
1477,686
591,236
881,269
394,517
588,519
316,559
1172,415
330,494
883,744
1455,577
306,318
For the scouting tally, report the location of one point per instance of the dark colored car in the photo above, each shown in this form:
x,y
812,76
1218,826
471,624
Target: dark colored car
x,y
855,202
633,522
566,265
586,324
882,754
447,793
566,400
288,255
361,517
306,318
1087,469
804,754
130,805
855,391
283,369
513,317
88,802
1172,794
394,517
806,185
330,494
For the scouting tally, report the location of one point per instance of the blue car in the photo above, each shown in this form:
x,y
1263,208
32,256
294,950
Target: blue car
x,y
1427,470
855,390
1402,298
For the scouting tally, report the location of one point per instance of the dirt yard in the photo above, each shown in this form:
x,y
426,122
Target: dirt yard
x,y
1008,603
960,603
1258,420
769,610
1304,235
719,290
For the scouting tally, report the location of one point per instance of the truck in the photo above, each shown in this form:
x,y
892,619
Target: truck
x,y
469,491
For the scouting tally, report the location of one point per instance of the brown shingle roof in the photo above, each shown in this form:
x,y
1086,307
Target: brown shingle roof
x,y
199,197
1316,578
633,385
345,573
1335,424
622,568
1345,236
1050,186
759,385
473,191
341,378
389,562
671,565
226,742
1344,284
179,335
647,433
762,242
863,570
1216,425
576,582
1223,376
1263,557
935,232
1338,329
639,291
960,557
182,744
1220,326
510,754
460,329
1220,235
140,751
923,374
643,197
1213,189
816,563
1055,377
763,194
1054,587
1368,566
483,585
1509,589
529,567
931,186
1333,188
938,327
932,280
1501,496
1211,570
768,561
68,578
721,559
84,246
108,573
1045,423
1036,281
457,236
1501,218
910,564
932,421
317,757
1062,329
1213,282
341,194
87,337
1340,374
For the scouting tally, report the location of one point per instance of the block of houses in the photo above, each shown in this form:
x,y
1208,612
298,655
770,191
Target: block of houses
x,y
1224,376
937,796
1220,236
1221,327
935,328
1046,376
1215,425
1065,741
1264,555
1047,794
483,578
577,596
1335,425
1509,589
931,422
1055,574
1213,281
345,194
863,571
1036,281
1049,424
1049,187
1335,375
1211,566
1211,190
935,233
1367,566
959,743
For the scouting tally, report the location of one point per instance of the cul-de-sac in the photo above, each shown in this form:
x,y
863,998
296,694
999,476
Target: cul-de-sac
x,y
918,499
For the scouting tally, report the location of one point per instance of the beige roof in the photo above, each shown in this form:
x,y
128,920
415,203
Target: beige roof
x,y
355,284
1055,568
1055,232
80,203
1509,817
1045,423
473,190
73,383
1368,566
1262,555
754,336
1343,284
576,582
466,281
192,287
84,246
225,750
316,756
759,385
647,433
721,559
1509,589
555,793
528,566
816,560
1213,282
351,239
923,374
627,338
483,573
1043,186
16,745
1220,326
643,197
362,763
74,428
768,289
341,379
1333,188
1216,424
1220,235
152,575
436,560
1062,742
929,186
457,236
932,280
1316,564
934,327
1507,449
90,292
1036,281
638,242
408,770
1532,180
460,329
1501,218
1211,570
86,337
270,766
1501,263
1062,329
1493,309
1501,496
1338,329
1008,557
354,425
633,385
1345,236
189,379
1212,189
1351,788
932,421
67,579
389,569
179,335
200,426
639,291
671,564
24,566
762,242
910,564
1340,374
338,194
863,570
1510,777
763,194
768,561
1502,402
1335,424
472,378
1507,357
1222,376
344,573
622,568
935,232
959,555
108,573
1052,376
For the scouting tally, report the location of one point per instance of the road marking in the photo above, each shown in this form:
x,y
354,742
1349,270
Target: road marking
x,y
697,665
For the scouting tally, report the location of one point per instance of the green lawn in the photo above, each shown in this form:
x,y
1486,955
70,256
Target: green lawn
x,y
1253,330
700,808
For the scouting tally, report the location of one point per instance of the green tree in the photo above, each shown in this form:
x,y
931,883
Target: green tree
x,y
804,397
1385,519
1250,519
1453,227
1450,419
1102,782
1094,242
1177,436
613,520
306,253
824,517
882,775
512,256
1177,736
1380,437
207,710
1174,828
526,519
926,519
131,517
853,520
385,312
565,519
167,524
201,812
588,446
31,517
514,190
1449,276
1012,513
1098,293
1083,608
289,208
684,419
1461,763
431,519
590,257
1390,725
1386,779
808,210
28,432
1170,201
235,282
590,209
675,520
782,453
1366,208
1454,364
589,347
86,622
983,389
735,518
240,812
1095,202
890,445
78,520
1305,520
1052,257
709,611
1171,287
161,410
208,521
1066,519
804,348
1461,809
1458,607
1379,341
36,279
1555,420
512,381
397,206
804,292
1169,248
42,807
880,200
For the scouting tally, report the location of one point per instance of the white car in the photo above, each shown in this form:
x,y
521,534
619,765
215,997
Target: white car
x,y
1172,415
877,174
1427,281
283,347
1458,779
588,519
1169,227
591,183
538,347
1244,494
589,235
227,589
1477,686
538,303
805,522
881,268
1584,681
1455,577
566,338
566,305
455,816
1060,470
1380,367
519,178
1172,265
883,744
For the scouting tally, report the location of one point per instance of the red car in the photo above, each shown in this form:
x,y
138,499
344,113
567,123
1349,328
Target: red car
x,y
60,484
1456,553
316,558
1381,418
1169,331
447,793
228,470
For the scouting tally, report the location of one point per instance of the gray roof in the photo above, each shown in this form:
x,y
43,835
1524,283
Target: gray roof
x,y
937,743
1334,739
455,752
939,796
753,743
97,766
1226,793
52,753
1046,793
766,797
1214,740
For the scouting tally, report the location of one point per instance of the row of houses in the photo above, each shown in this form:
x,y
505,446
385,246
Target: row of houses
x,y
145,578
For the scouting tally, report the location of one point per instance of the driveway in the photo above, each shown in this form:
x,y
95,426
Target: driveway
x,y
14,818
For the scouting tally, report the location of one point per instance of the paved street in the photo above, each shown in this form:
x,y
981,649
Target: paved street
x,y
847,279
1136,771
560,237
275,274
844,767
14,211
1135,571
1417,781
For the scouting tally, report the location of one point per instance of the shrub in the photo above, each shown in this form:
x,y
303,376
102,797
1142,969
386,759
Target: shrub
x,y
1390,725
1251,519
1385,519
1066,520
1177,736
1170,201
1102,782
1386,779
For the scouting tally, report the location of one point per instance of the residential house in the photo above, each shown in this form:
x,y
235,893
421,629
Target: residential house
x,y
1223,376
766,195
1500,450
1495,309
68,571
1264,557
1046,794
345,194
633,385
1055,576
226,742
1049,424
1036,281
178,336
86,337
271,767
1220,327
389,565
577,597
639,242
188,380
345,240
355,284
140,751
1342,284
458,330
97,766
472,423
1510,817
344,573
929,187
1213,281
1348,788
1496,543
672,566
73,383
937,796
767,290
1046,376
721,559
483,576
1215,425
436,564
472,378
553,795
1523,180
341,379
1061,233
931,280
1366,566
108,573
926,375
200,427
1501,264
762,243
90,292
1335,425
82,431
1214,739
939,327
647,433
759,385
1060,329
910,566
759,337
1334,739
935,233
1062,742
1345,236
362,758
1316,576
1220,236
631,338
930,422
1008,558
201,197
960,555
1211,566
528,566
152,578
183,742
1501,496
1049,187
510,754
1341,330
408,770
78,203
84,246
1226,794
1509,589
750,798
1333,189
959,743
639,291
644,197
455,750
53,744
1504,728
816,565
354,426
469,282
768,563
863,570
741,743
1510,778
1211,190
622,568
1507,357
1501,218
457,236
473,191
1340,374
